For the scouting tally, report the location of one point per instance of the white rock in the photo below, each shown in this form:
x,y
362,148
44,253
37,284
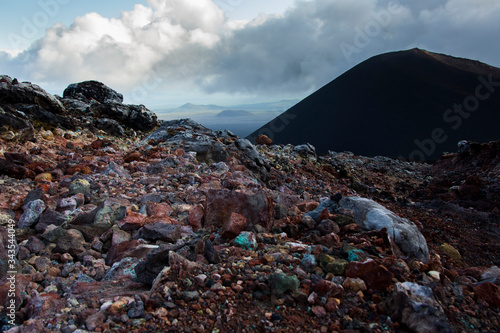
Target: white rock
x,y
370,215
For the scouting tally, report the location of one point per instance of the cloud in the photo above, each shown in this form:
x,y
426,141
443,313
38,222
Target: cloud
x,y
170,45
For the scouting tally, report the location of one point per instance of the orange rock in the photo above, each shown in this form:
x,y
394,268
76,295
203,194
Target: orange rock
x,y
263,140
131,157
196,216
234,226
133,221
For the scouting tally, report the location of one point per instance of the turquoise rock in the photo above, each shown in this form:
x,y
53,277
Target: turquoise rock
x,y
356,255
246,240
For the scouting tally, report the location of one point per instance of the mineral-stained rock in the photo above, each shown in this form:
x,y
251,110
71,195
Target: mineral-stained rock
x,y
415,306
246,240
256,208
375,275
79,186
281,283
332,265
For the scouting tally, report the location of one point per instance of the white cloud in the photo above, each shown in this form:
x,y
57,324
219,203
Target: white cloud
x,y
191,45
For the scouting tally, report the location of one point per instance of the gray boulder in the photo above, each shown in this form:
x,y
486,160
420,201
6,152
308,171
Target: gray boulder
x,y
370,215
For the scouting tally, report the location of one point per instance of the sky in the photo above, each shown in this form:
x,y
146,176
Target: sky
x,y
170,52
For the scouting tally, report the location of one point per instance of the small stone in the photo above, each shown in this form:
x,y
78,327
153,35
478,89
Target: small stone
x,y
43,177
375,276
159,209
309,262
79,186
332,265
234,226
325,287
42,264
319,311
160,231
281,283
32,213
95,320
133,221
195,217
66,257
327,226
492,273
35,245
451,252
190,296
263,140
355,284
246,240
131,157
210,253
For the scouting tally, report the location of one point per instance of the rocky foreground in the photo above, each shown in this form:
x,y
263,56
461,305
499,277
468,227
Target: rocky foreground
x,y
125,224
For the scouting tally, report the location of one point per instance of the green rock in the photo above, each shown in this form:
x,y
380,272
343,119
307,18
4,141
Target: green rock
x,y
451,252
332,265
281,283
343,220
79,186
246,240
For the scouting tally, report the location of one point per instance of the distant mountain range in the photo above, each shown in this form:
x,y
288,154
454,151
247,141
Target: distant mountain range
x,y
240,119
410,104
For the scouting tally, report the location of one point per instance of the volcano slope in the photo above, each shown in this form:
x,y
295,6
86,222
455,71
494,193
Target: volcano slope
x,y
413,105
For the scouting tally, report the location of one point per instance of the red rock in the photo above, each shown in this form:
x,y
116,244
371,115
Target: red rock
x,y
133,221
325,287
159,209
331,240
234,226
263,140
117,252
254,262
179,152
376,276
325,214
257,208
195,217
96,144
131,157
332,305
319,311
78,168
488,292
